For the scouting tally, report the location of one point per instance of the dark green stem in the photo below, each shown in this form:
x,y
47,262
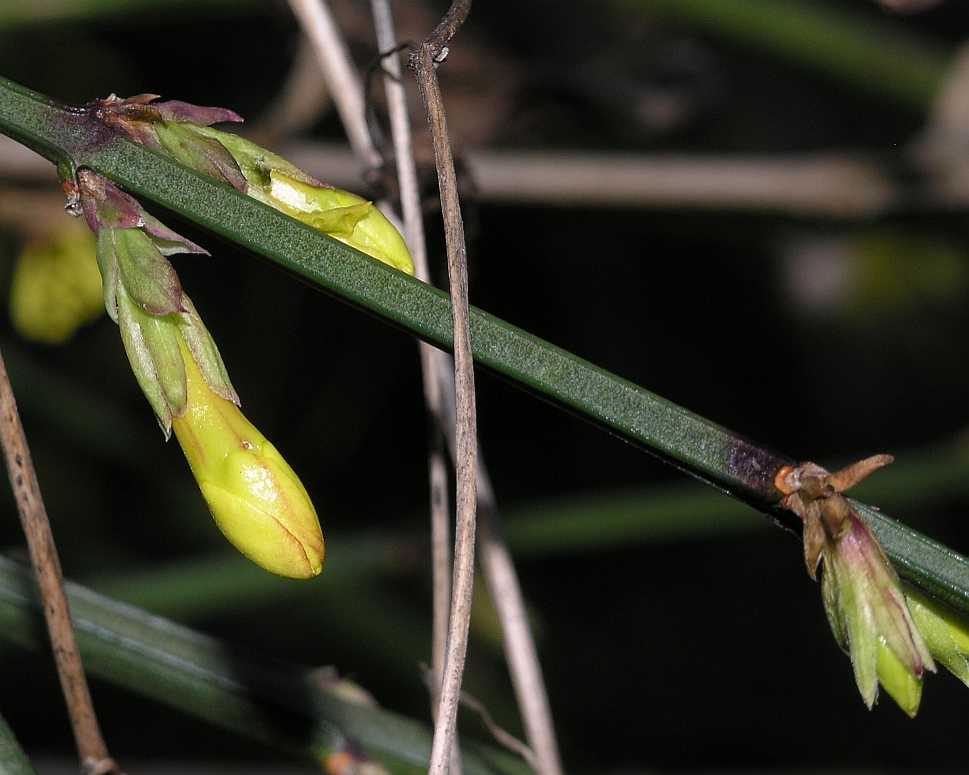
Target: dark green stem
x,y
686,440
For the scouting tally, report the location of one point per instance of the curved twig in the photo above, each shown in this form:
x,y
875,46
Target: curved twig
x,y
423,62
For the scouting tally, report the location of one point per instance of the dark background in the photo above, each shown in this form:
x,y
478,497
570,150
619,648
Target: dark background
x,y
707,649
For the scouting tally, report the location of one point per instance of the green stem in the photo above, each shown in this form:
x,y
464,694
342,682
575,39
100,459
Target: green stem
x,y
869,55
281,705
13,760
692,443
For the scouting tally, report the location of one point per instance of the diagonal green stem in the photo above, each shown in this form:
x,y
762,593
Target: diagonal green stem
x,y
281,705
690,442
872,56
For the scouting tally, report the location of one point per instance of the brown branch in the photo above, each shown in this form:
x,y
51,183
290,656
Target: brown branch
x,y
92,750
432,359
830,185
520,653
423,62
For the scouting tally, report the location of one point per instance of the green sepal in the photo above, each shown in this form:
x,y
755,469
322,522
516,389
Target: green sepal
x,y
144,344
206,353
941,630
161,336
863,642
832,606
199,153
892,619
147,275
108,266
255,161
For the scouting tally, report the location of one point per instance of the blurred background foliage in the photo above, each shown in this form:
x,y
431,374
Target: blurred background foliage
x,y
677,629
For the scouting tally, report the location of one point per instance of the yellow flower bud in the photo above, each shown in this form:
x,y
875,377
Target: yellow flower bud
x,y
257,500
56,287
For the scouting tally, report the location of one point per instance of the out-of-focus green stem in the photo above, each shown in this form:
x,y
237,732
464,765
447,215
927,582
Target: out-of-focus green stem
x,y
13,760
874,56
16,14
281,705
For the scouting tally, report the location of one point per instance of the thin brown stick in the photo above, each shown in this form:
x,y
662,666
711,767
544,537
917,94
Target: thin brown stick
x,y
829,185
91,748
501,735
432,359
520,653
423,61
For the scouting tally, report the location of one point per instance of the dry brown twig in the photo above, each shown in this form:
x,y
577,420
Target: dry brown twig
x,y
499,570
431,52
91,748
829,185
433,361
501,735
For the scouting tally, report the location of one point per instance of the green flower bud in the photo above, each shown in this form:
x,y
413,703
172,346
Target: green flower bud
x,y
257,500
870,619
861,593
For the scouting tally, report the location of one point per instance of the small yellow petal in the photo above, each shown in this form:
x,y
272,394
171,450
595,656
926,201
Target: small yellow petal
x,y
899,681
344,216
256,499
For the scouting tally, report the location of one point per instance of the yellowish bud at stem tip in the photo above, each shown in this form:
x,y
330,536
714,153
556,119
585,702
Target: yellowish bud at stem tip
x,y
257,500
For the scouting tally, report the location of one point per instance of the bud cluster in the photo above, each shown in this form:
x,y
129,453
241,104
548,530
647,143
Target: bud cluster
x,y
862,595
255,497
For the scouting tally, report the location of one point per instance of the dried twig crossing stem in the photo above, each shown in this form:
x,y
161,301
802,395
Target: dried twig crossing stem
x,y
92,750
433,361
423,62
